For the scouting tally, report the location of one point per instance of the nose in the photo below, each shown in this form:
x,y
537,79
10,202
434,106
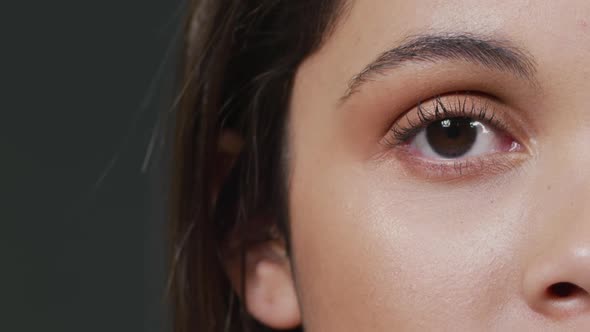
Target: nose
x,y
557,283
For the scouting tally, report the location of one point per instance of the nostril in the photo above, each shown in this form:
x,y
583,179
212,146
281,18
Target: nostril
x,y
563,290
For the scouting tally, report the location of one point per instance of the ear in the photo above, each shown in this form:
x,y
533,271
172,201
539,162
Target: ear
x,y
269,287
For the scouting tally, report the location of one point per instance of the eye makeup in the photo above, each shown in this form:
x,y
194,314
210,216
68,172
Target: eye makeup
x,y
454,136
441,108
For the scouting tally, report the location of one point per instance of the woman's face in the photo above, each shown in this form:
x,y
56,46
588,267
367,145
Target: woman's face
x,y
445,186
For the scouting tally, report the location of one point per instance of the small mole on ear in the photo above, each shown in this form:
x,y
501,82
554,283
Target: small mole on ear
x,y
492,201
549,187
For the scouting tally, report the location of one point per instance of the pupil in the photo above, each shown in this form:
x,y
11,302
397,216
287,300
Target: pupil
x,y
451,138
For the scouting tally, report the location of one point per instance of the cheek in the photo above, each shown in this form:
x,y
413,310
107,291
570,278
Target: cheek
x,y
374,249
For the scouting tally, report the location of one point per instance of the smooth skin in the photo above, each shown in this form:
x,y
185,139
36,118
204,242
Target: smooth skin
x,y
383,241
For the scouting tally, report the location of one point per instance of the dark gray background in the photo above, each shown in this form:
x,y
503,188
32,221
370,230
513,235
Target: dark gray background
x,y
83,86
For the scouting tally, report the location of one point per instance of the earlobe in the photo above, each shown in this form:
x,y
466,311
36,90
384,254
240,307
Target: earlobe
x,y
270,295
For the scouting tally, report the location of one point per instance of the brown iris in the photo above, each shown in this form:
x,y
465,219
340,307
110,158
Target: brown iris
x,y
452,137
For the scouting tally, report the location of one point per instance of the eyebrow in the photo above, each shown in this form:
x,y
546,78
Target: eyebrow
x,y
494,54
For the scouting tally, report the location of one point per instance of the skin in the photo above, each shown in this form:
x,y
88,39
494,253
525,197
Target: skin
x,y
380,243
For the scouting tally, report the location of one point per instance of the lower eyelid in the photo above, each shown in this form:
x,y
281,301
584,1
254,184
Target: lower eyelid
x,y
459,169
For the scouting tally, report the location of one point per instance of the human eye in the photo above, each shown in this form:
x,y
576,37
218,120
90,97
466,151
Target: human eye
x,y
454,136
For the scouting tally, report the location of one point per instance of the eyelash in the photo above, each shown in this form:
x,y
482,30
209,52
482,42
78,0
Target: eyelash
x,y
464,104
481,112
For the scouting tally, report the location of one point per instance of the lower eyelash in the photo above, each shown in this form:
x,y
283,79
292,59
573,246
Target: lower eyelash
x,y
461,169
440,111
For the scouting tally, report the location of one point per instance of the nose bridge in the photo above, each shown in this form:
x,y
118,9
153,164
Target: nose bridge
x,y
563,184
556,281
564,217
570,209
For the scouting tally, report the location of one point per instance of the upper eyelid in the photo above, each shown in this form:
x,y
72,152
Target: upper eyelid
x,y
444,107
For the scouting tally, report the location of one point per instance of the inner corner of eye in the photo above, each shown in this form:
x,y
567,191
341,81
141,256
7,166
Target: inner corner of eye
x,y
505,142
512,145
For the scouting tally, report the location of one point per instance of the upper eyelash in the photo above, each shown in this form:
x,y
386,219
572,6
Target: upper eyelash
x,y
483,112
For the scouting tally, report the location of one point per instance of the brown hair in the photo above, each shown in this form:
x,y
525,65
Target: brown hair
x,y
238,66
